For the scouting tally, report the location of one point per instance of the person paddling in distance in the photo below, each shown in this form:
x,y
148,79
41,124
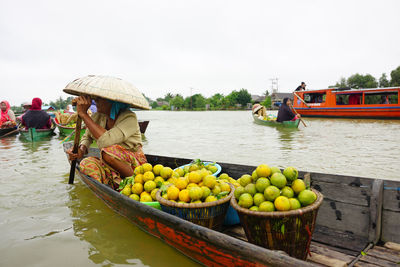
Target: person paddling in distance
x,y
285,113
116,131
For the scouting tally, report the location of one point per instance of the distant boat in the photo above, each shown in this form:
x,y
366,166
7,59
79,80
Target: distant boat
x,y
377,103
274,123
65,130
34,135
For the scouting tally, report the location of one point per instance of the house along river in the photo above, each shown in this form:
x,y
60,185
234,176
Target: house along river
x,y
46,222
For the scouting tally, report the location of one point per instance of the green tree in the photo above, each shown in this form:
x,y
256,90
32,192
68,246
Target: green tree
x,y
198,101
168,97
383,81
267,102
395,75
60,103
231,99
362,81
342,83
177,101
243,97
216,100
154,105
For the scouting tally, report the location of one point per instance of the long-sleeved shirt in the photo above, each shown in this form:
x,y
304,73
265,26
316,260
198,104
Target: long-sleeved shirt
x,y
125,132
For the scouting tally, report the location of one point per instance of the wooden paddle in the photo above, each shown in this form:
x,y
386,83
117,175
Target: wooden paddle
x,y
295,111
9,133
76,147
301,99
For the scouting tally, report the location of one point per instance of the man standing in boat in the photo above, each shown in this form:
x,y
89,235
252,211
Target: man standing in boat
x,y
301,87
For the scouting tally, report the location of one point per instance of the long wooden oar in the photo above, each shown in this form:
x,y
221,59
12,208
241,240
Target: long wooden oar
x,y
9,133
75,149
301,99
295,111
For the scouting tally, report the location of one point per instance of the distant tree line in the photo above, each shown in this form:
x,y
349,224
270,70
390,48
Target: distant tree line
x,y
369,81
234,100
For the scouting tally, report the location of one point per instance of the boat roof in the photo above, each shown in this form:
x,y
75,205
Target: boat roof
x,y
337,89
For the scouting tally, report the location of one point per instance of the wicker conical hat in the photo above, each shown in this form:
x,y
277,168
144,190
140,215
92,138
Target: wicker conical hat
x,y
109,88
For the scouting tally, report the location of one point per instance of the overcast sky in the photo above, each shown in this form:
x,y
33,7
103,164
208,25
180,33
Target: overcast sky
x,y
211,46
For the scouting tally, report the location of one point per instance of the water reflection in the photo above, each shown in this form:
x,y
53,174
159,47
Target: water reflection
x,y
113,239
285,137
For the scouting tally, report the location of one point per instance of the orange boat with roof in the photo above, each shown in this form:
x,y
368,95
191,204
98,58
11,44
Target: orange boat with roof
x,y
378,103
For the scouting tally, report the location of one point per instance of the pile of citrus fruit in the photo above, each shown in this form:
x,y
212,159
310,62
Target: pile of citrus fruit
x,y
195,183
145,182
268,189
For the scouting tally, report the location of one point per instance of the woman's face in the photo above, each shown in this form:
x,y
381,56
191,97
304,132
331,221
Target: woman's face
x,y
3,106
103,106
288,102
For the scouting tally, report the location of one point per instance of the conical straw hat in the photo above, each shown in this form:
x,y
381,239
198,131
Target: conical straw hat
x,y
109,88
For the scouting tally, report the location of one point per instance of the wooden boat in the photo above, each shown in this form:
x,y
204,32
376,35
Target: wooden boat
x,y
34,135
65,131
356,215
274,123
143,126
7,131
378,103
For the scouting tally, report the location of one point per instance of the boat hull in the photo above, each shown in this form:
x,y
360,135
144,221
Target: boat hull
x,y
330,107
352,112
5,131
34,135
286,124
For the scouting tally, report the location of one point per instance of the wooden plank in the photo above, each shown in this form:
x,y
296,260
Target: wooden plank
x,y
376,211
344,193
391,195
393,246
390,226
385,253
364,264
340,179
340,239
377,261
344,217
323,250
327,261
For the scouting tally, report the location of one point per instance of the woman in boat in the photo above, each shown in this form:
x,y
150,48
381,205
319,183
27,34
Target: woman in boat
x,y
259,110
116,131
69,109
285,113
7,115
35,117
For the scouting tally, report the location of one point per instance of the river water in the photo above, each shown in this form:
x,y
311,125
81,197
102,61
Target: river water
x,y
46,222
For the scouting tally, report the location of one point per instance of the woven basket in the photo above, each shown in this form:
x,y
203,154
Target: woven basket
x,y
208,214
289,231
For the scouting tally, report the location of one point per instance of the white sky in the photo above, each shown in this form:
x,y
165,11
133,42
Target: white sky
x,y
212,46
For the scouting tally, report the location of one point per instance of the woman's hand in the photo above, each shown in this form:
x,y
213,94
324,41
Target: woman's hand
x,y
83,104
81,152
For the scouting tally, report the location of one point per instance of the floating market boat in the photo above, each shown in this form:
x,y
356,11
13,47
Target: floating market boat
x,y
286,124
377,103
7,131
143,126
357,223
66,130
34,135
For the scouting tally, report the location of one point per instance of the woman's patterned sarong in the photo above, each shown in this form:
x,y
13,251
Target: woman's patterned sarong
x,y
104,173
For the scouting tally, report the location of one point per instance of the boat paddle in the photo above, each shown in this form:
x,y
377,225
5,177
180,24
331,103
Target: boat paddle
x,y
301,99
76,147
295,111
9,133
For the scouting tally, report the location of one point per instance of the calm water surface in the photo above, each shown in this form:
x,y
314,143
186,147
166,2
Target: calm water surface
x,y
46,222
